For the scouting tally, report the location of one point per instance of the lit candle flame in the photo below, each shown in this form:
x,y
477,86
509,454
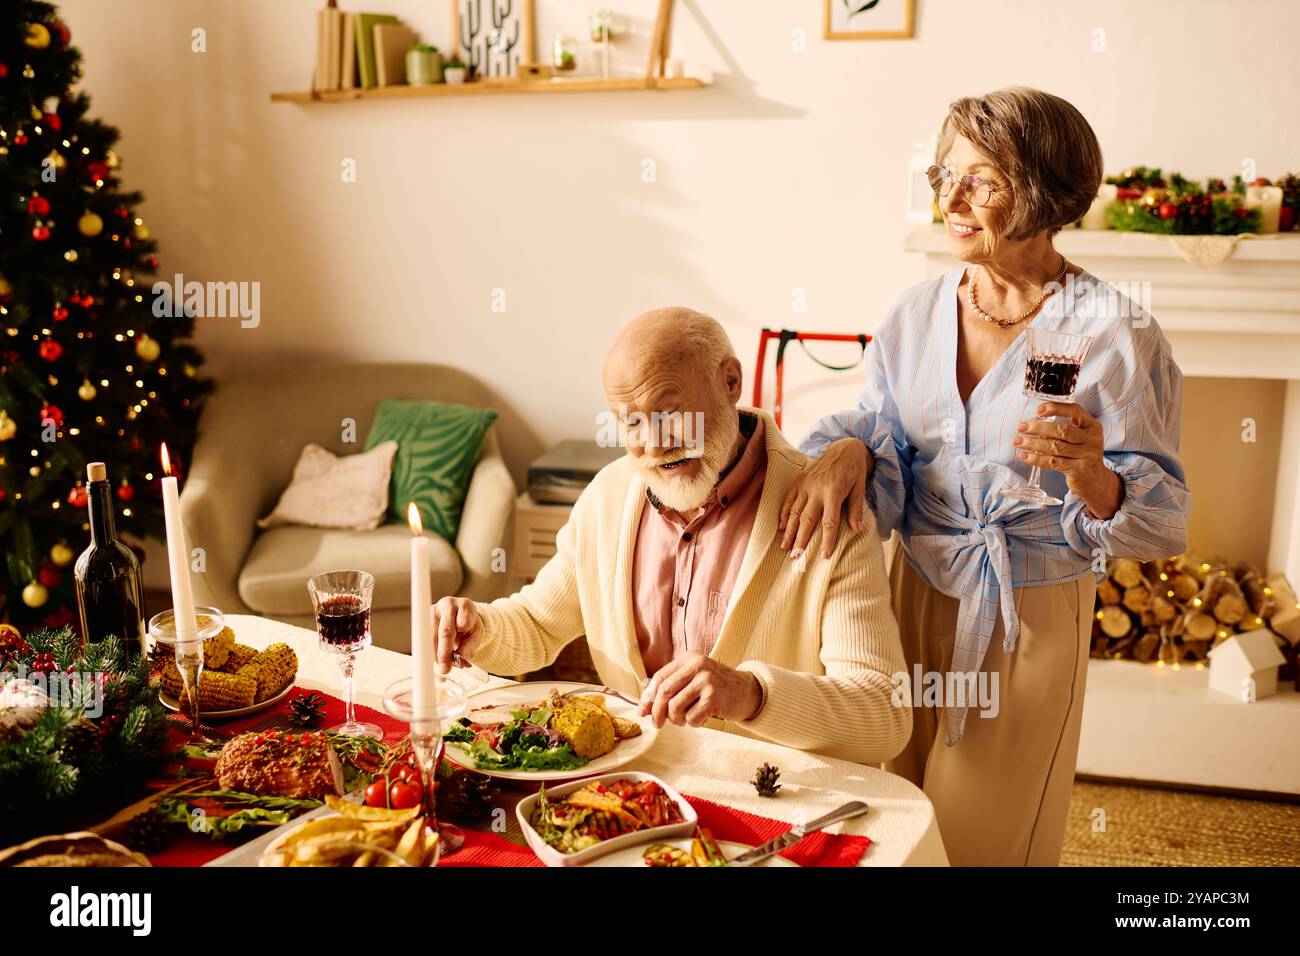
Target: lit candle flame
x,y
413,519
166,460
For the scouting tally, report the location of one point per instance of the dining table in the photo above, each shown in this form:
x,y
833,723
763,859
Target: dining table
x,y
710,764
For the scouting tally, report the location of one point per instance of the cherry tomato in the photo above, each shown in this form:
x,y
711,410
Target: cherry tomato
x,y
402,771
377,794
403,795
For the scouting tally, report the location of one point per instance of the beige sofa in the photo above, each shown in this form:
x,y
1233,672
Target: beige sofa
x,y
250,435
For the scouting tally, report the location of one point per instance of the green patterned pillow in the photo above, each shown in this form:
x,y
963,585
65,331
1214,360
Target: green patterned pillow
x,y
437,448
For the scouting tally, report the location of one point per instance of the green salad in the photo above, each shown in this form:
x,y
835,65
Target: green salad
x,y
525,742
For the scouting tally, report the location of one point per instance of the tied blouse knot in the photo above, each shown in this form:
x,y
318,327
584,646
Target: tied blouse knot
x,y
941,463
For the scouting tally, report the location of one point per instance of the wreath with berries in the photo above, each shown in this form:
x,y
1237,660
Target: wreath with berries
x,y
81,729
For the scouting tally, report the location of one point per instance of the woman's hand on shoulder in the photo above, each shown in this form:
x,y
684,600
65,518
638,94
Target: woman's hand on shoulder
x,y
818,496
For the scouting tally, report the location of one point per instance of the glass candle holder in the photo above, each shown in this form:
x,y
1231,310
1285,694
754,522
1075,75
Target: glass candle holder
x,y
189,660
427,743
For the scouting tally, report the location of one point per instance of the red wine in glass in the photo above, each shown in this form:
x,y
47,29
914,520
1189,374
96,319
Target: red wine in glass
x,y
1052,366
343,622
342,602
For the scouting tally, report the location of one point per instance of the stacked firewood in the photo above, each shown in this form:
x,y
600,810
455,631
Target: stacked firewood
x,y
1178,609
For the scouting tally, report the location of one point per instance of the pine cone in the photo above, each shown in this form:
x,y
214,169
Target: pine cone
x,y
83,741
149,832
466,797
765,780
306,710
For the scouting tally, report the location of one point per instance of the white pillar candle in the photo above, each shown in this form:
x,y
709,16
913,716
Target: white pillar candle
x,y
186,622
1268,199
1095,217
424,665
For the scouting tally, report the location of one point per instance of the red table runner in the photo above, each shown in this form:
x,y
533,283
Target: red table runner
x,y
484,848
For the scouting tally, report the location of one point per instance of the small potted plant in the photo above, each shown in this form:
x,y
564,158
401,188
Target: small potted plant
x,y
423,65
454,71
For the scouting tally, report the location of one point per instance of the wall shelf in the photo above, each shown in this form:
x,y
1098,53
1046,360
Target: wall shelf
x,y
497,87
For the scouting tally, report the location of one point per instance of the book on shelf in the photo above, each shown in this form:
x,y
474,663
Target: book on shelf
x,y
329,27
392,40
348,53
365,41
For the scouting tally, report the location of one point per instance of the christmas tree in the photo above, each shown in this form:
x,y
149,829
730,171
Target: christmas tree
x,y
87,372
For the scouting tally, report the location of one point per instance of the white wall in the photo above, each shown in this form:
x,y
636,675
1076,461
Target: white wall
x,y
788,173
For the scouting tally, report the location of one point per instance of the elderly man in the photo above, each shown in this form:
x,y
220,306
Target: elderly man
x,y
670,566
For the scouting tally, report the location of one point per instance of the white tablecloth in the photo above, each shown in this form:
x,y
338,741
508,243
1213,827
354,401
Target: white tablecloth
x,y
704,763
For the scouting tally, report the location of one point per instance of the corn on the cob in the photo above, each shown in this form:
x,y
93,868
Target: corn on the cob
x,y
273,668
240,655
171,678
218,691
217,649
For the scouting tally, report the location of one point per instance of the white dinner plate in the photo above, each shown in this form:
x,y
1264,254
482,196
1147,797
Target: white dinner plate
x,y
171,703
624,752
632,855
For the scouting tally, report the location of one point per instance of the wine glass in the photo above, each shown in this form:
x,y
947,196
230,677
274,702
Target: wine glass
x,y
342,600
1052,364
189,660
427,742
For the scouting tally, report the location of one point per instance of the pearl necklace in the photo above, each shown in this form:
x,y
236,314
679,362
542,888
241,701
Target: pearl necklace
x,y
1007,323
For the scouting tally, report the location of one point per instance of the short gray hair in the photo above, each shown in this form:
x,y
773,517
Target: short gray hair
x,y
1043,144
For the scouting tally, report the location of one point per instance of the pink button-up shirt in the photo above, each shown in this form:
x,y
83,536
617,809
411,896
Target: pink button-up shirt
x,y
685,566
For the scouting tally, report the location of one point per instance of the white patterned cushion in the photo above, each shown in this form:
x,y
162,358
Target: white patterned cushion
x,y
332,491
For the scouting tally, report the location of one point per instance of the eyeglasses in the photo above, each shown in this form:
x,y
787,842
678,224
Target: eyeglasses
x,y
978,191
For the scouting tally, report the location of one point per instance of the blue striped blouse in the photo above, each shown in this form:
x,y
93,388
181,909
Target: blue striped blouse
x,y
939,463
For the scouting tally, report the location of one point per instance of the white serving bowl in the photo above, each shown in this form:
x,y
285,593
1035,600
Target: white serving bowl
x,y
553,857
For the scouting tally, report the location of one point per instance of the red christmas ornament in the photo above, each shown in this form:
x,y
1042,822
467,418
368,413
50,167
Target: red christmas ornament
x,y
60,313
53,122
86,301
1167,210
77,497
40,233
61,32
153,262
122,212
4,70
135,444
125,492
38,206
20,138
50,576
52,413
2,494
75,298
97,170
50,350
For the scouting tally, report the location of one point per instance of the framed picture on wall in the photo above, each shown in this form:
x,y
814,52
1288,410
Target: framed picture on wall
x,y
869,19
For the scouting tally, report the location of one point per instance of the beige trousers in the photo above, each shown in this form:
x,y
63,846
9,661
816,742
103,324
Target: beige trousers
x,y
1002,793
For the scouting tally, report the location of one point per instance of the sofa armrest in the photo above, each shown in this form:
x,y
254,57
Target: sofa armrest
x,y
221,500
489,506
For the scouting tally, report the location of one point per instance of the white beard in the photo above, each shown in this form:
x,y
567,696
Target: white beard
x,y
687,494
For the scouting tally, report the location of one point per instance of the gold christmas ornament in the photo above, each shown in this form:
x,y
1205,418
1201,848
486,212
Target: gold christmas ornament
x,y
140,231
38,38
57,160
90,224
147,348
87,391
8,427
36,113
110,158
35,594
5,288
61,555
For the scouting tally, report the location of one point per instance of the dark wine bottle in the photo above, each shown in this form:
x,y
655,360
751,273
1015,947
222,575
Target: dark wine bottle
x,y
110,598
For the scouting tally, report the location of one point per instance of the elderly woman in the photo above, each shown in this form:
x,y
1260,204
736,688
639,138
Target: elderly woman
x,y
991,587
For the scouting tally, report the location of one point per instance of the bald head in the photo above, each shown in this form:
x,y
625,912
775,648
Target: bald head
x,y
672,337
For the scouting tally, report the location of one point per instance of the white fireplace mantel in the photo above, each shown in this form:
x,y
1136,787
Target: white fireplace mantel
x,y
1237,319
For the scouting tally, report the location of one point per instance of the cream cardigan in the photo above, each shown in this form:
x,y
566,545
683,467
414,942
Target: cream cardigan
x,y
818,634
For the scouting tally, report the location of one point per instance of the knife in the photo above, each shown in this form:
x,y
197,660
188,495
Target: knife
x,y
788,839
